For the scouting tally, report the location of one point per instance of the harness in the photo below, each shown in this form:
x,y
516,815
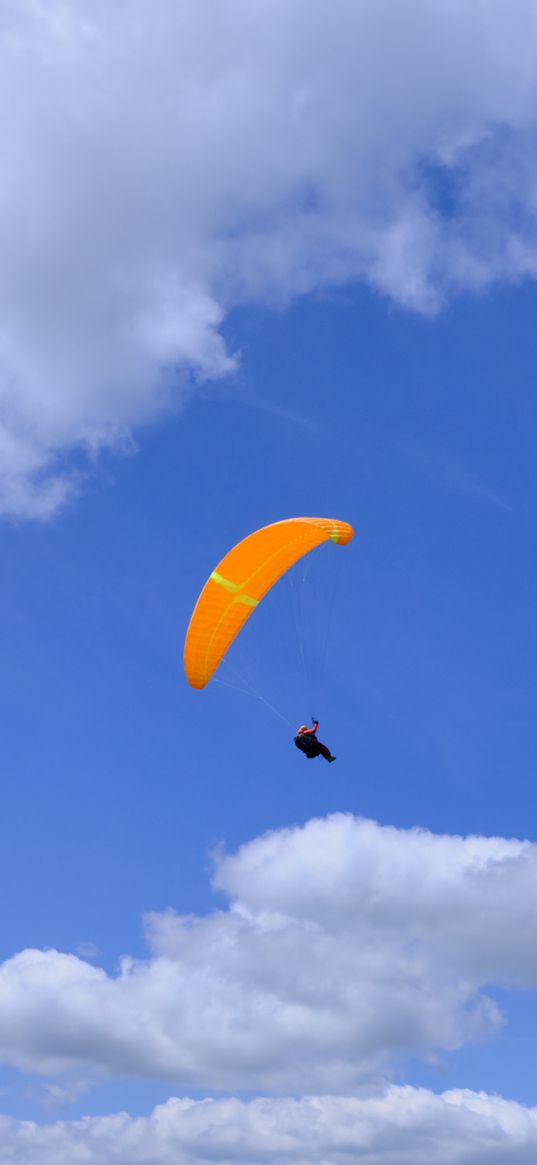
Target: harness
x,y
308,744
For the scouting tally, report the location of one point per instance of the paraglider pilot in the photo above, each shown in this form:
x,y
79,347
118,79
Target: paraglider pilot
x,y
307,742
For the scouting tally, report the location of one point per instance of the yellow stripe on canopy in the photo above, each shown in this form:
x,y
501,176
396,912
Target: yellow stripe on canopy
x,y
241,580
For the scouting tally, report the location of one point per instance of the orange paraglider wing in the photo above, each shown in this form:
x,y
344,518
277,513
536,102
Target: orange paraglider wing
x,y
241,580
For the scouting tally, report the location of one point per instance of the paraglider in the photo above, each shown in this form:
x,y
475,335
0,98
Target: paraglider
x,y
306,741
237,585
239,582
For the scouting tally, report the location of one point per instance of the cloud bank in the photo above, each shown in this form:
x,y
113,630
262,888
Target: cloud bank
x,y
345,948
401,1126
164,164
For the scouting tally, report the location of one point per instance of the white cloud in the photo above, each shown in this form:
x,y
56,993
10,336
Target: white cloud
x,y
87,950
401,1126
161,164
347,947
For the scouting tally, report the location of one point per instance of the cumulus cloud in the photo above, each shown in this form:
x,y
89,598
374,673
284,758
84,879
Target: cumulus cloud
x,y
163,164
401,1126
346,947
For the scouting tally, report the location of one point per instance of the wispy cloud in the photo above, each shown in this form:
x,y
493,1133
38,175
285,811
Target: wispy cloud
x,y
443,469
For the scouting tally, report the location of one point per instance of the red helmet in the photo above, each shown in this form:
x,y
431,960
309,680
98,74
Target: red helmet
x,y
301,729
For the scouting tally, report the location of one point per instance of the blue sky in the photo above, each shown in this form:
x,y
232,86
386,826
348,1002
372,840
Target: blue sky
x,y
324,318
121,780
